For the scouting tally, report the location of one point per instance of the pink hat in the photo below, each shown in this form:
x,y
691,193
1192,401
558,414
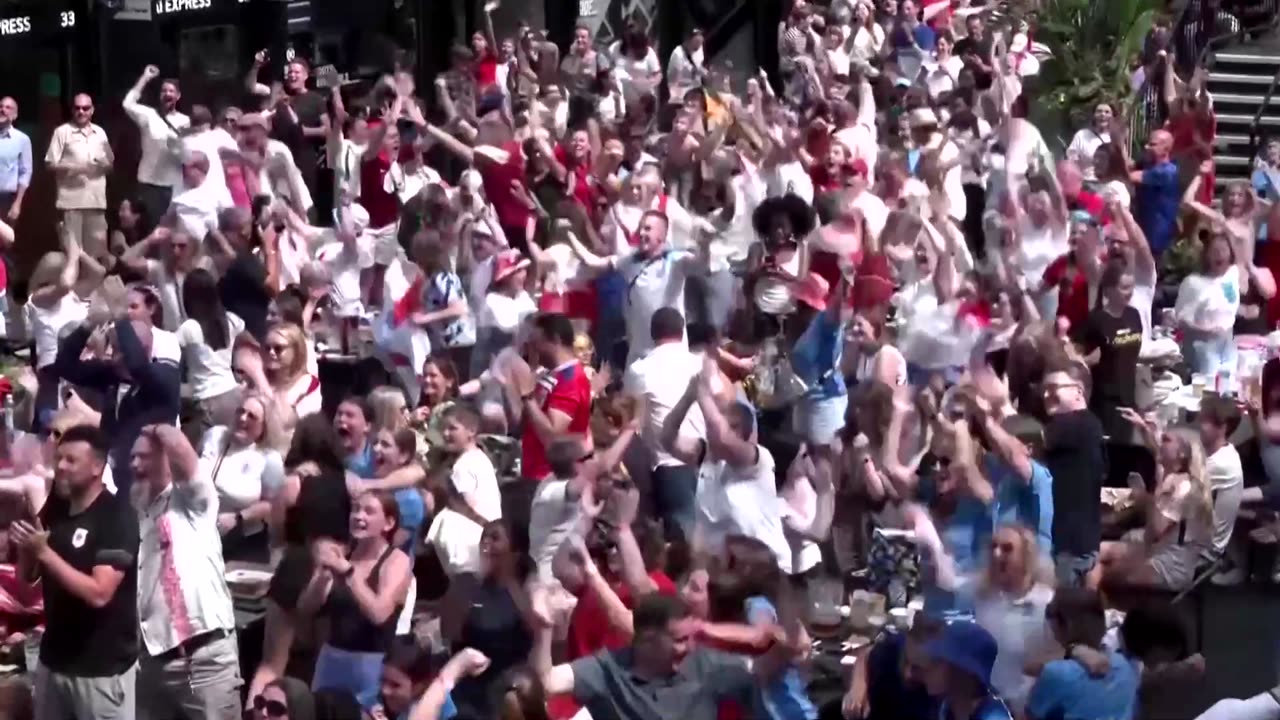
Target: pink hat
x,y
507,263
812,291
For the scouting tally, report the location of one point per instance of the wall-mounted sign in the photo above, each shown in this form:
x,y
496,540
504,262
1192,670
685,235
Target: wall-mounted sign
x,y
165,8
39,25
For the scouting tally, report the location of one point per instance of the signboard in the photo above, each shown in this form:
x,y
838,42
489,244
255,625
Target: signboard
x,y
38,25
173,8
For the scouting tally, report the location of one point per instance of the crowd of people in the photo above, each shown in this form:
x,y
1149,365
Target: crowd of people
x,y
641,361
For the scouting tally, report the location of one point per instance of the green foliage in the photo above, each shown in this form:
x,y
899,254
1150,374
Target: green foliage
x,y
1094,45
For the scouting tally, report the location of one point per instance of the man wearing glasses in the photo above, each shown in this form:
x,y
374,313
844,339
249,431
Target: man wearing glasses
x,y
81,158
1076,456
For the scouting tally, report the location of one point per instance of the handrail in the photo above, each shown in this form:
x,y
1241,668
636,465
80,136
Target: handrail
x,y
1256,122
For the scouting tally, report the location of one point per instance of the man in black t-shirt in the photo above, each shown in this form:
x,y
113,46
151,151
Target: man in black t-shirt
x,y
85,548
1076,457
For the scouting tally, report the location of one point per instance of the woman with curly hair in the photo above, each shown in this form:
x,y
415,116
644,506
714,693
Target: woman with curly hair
x,y
779,260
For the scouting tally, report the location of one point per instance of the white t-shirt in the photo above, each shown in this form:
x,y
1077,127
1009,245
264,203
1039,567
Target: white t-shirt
x,y
209,370
1210,302
552,518
165,346
662,377
743,501
1226,480
197,208
473,475
1040,247
242,476
46,324
344,273
1018,626
304,395
1083,145
506,313
790,177
211,143
800,503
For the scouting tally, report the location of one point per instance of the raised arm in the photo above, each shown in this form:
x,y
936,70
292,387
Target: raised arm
x,y
688,450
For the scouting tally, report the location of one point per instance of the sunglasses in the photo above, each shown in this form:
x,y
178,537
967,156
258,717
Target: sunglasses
x,y
83,108
277,349
270,708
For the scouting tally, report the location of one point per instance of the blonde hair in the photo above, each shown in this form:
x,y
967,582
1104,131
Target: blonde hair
x,y
1035,570
1189,439
388,404
298,344
273,434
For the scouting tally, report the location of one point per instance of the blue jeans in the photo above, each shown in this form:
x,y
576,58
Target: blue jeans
x,y
1209,356
359,673
1071,570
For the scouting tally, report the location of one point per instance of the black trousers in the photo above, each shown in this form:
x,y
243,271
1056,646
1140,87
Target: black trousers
x,y
154,200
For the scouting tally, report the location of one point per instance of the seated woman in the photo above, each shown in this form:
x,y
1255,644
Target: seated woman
x,y
1065,688
361,591
1179,527
246,468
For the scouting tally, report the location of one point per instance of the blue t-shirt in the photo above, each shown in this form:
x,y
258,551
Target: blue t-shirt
x,y
1159,199
785,698
991,709
890,695
1020,502
965,535
1066,691
361,463
448,712
413,513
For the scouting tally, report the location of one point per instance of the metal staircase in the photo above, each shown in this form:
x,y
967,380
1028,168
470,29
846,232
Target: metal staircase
x,y
1242,81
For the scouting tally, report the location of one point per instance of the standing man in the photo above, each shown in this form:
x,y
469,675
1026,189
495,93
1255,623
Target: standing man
x,y
190,666
160,169
300,121
84,547
80,156
15,162
1075,452
661,377
554,405
1159,193
655,275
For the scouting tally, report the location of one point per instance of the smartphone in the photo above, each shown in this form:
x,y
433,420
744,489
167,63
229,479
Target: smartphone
x,y
1136,483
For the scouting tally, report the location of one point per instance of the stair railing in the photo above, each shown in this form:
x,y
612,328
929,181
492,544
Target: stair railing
x,y
1255,125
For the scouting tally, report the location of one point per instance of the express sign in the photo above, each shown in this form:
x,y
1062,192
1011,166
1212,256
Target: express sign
x,y
38,25
176,7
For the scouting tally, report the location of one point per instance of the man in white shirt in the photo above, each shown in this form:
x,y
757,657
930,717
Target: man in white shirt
x,y
196,208
213,141
159,169
737,491
660,378
189,664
